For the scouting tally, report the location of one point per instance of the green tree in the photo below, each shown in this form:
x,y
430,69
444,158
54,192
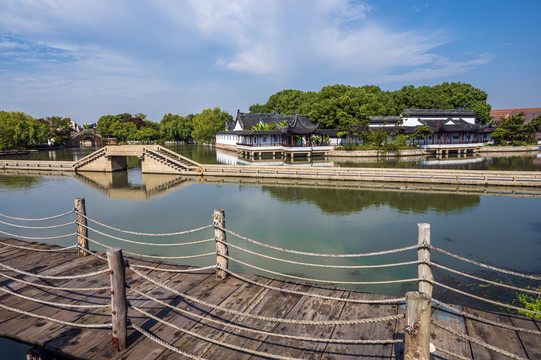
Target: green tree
x,y
208,123
19,130
122,130
421,133
513,131
59,129
176,127
106,121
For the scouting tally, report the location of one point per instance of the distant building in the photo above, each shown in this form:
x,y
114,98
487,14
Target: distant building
x,y
529,115
288,131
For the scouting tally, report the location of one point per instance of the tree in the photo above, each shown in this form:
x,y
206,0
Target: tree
x,y
123,130
59,129
513,130
421,133
106,121
176,127
19,130
208,123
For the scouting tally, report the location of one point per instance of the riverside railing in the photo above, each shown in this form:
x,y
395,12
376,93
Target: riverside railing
x,y
419,322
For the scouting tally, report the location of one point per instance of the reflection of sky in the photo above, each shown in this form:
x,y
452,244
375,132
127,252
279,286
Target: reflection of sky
x,y
503,230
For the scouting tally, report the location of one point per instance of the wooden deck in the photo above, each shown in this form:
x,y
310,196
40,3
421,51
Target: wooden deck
x,y
233,294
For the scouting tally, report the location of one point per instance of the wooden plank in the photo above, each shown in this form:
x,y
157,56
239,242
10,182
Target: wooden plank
x,y
443,339
268,303
379,330
502,338
309,308
530,342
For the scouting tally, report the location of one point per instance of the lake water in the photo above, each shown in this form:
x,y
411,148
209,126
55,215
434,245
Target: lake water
x,y
504,231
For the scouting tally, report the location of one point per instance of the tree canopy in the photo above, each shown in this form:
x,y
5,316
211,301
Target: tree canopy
x,y
513,131
208,123
335,105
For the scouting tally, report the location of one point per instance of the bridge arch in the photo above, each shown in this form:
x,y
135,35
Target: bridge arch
x,y
75,141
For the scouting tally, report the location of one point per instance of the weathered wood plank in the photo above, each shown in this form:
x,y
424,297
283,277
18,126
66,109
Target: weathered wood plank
x,y
531,342
442,339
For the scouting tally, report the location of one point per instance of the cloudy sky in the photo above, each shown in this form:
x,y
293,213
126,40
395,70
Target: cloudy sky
x,y
83,59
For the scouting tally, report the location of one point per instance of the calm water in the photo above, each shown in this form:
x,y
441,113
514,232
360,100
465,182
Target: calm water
x,y
503,231
207,155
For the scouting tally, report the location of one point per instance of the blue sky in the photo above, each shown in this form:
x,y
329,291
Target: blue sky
x,y
83,59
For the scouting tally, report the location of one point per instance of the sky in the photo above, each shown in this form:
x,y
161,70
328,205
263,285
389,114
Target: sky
x,y
84,59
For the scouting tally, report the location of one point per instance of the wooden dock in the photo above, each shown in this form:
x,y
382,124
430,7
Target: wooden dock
x,y
231,293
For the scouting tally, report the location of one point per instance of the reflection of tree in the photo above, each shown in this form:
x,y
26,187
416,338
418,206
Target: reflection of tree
x,y
337,201
17,182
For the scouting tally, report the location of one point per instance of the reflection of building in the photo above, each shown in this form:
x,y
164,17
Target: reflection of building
x,y
256,133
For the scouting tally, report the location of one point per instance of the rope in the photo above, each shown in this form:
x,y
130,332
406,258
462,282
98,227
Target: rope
x,y
91,326
55,277
145,243
35,249
164,344
170,257
90,252
266,333
36,238
214,341
490,322
532,277
452,354
487,300
386,252
36,227
318,265
535,292
55,287
478,342
50,302
174,270
302,293
319,280
40,219
266,318
140,233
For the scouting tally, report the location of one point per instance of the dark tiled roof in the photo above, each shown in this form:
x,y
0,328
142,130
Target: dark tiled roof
x,y
438,112
229,125
296,124
385,119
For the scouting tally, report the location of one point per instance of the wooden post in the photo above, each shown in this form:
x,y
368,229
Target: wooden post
x,y
82,230
119,306
417,332
423,255
221,248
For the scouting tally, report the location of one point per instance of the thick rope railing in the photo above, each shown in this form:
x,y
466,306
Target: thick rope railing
x,y
478,342
304,293
266,318
486,300
164,344
320,280
141,233
266,333
175,270
317,265
144,243
455,355
210,340
508,272
93,253
170,257
36,227
68,323
38,219
55,287
60,305
534,292
483,320
36,249
377,253
36,237
55,277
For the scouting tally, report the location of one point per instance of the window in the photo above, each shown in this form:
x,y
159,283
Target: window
x,y
264,139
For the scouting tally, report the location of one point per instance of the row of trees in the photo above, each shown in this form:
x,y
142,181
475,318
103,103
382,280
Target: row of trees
x,y
201,127
19,130
336,106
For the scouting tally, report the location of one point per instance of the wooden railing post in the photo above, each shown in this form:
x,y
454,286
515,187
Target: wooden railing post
x,y
119,305
417,332
423,255
82,230
218,219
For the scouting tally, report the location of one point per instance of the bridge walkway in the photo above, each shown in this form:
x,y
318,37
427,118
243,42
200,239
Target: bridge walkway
x,y
232,293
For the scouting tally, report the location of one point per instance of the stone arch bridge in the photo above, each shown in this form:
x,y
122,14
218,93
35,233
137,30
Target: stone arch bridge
x,y
96,140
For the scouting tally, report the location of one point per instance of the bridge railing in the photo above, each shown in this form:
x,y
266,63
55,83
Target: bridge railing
x,y
419,321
